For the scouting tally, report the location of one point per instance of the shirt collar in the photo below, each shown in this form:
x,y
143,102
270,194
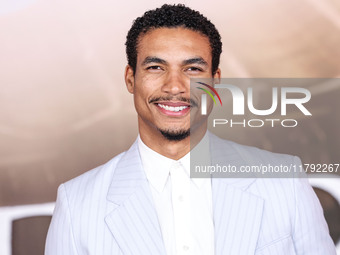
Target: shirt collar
x,y
157,167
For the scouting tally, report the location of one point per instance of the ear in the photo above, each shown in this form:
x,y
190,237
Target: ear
x,y
217,76
129,79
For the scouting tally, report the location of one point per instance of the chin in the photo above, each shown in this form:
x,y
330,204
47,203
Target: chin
x,y
175,135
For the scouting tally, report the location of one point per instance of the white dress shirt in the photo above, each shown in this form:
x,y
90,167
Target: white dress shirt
x,y
183,204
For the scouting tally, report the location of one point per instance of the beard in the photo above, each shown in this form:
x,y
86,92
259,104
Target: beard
x,y
175,135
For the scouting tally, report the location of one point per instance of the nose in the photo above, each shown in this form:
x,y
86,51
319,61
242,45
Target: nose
x,y
175,83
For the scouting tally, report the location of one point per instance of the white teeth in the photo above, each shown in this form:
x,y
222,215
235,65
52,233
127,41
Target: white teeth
x,y
173,109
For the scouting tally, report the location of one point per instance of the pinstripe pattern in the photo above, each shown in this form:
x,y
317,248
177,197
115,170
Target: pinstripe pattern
x,y
137,215
266,216
110,210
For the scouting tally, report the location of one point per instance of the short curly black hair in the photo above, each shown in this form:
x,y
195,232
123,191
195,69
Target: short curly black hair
x,y
170,16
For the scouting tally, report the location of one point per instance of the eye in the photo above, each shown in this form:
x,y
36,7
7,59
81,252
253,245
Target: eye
x,y
194,69
153,68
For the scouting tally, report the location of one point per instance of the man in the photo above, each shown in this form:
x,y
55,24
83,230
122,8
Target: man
x,y
143,200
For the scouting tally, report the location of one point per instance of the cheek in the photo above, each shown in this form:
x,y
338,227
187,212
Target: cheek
x,y
147,90
142,96
139,97
140,105
147,86
141,93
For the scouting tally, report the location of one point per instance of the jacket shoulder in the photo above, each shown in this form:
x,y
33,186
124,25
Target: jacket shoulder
x,y
252,154
98,178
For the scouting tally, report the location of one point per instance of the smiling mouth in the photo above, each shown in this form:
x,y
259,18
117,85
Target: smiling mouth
x,y
173,108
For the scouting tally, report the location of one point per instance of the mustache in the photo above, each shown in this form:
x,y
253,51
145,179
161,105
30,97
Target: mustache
x,y
190,101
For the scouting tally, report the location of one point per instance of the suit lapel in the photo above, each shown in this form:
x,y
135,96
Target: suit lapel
x,y
133,220
237,219
237,212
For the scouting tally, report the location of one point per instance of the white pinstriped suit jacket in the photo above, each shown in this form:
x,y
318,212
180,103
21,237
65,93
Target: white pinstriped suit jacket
x,y
109,210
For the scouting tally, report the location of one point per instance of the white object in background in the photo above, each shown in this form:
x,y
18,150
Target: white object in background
x,y
329,183
10,213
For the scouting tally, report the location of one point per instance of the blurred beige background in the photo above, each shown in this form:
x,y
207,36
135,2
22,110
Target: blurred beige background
x,y
64,108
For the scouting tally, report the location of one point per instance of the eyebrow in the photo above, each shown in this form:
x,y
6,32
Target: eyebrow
x,y
197,60
157,60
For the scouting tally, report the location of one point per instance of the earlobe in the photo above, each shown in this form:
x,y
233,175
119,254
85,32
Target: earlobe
x,y
217,76
129,79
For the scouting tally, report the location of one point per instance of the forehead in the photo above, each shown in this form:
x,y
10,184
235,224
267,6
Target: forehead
x,y
173,42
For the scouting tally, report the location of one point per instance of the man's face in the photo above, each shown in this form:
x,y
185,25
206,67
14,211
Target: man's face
x,y
167,59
